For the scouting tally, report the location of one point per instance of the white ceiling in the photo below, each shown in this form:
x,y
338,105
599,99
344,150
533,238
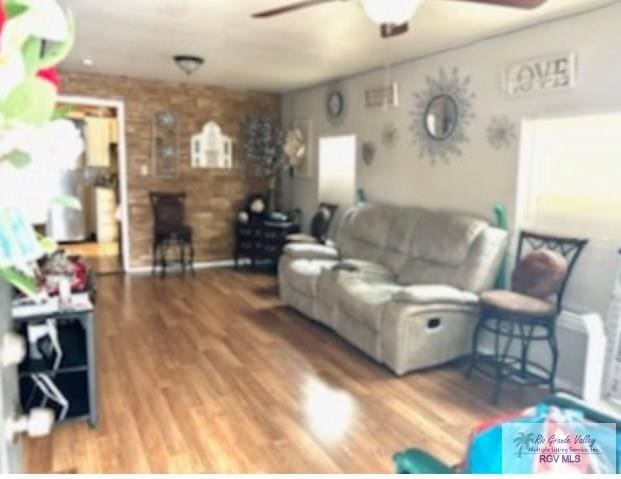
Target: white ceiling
x,y
138,38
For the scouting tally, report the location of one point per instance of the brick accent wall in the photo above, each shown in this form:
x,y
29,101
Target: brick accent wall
x,y
214,196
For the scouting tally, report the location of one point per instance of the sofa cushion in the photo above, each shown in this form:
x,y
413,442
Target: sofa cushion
x,y
435,293
371,223
445,238
402,228
363,300
370,270
303,274
311,251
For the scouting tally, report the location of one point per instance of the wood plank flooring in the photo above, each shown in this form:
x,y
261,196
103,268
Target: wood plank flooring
x,y
214,374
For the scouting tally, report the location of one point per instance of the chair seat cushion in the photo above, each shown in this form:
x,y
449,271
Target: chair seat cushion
x,y
301,238
363,300
517,304
304,274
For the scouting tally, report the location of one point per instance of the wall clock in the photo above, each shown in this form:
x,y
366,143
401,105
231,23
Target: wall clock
x,y
336,105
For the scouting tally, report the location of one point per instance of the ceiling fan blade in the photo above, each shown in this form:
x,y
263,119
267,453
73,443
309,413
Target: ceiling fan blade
x,y
290,8
525,4
389,30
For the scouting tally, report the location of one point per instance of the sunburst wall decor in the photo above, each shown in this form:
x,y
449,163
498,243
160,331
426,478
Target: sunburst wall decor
x,y
501,132
456,89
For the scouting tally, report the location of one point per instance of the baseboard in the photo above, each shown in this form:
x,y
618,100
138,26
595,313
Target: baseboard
x,y
227,263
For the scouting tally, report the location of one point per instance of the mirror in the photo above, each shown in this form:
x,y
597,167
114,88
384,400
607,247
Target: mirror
x,y
441,117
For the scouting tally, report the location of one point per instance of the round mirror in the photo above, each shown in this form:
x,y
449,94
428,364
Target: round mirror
x,y
441,117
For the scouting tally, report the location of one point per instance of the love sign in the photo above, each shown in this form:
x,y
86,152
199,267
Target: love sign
x,y
551,73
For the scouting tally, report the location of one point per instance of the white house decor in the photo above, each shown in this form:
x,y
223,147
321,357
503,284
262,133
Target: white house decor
x,y
539,75
211,148
382,97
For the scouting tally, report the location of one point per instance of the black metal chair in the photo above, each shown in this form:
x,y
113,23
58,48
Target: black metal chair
x,y
169,228
319,227
527,313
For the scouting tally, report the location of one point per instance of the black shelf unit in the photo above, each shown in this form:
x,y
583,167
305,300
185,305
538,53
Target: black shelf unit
x,y
76,374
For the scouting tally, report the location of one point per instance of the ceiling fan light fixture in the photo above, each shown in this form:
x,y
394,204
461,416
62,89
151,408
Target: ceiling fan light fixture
x,y
395,12
188,63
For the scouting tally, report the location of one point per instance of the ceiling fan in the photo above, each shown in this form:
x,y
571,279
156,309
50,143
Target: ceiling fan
x,y
392,16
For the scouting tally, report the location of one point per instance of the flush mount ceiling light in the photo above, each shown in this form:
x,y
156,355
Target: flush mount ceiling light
x,y
188,63
395,12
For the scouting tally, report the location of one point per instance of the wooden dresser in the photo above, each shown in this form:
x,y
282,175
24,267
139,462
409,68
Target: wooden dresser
x,y
262,240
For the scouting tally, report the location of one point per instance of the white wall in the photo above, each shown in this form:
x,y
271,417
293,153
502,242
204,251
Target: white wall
x,y
482,175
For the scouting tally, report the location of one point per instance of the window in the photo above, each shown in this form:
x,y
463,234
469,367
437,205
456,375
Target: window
x,y
570,184
337,170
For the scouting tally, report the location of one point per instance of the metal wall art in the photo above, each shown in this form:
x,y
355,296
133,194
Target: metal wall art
x,y
390,135
165,144
501,132
368,152
441,114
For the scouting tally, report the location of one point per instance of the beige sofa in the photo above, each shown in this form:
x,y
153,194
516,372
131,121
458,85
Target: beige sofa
x,y
401,284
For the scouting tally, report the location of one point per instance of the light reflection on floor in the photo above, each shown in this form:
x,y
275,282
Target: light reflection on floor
x,y
329,412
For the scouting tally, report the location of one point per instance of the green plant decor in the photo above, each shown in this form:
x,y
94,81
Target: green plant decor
x,y
35,35
500,212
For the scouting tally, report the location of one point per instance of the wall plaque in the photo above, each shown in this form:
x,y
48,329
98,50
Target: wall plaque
x,y
539,75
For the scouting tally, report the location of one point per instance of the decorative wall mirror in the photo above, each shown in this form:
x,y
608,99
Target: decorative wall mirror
x,y
441,114
165,144
441,117
211,148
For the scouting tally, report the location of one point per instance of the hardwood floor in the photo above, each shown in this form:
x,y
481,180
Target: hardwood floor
x,y
213,374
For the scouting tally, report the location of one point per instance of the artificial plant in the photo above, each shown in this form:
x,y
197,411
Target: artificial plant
x,y
35,35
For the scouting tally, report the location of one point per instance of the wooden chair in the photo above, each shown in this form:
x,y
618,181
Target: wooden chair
x,y
169,228
527,313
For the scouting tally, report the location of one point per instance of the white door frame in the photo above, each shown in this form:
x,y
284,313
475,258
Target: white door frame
x,y
119,105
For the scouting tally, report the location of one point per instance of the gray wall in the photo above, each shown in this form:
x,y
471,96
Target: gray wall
x,y
482,175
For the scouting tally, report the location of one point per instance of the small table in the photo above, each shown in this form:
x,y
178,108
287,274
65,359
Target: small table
x,y
262,240
76,376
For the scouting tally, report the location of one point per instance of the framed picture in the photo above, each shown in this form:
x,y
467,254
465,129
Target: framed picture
x,y
305,170
379,97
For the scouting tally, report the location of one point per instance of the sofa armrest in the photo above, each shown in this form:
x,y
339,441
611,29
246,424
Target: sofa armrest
x,y
435,293
311,251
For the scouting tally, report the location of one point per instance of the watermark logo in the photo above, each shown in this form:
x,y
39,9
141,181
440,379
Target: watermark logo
x,y
549,446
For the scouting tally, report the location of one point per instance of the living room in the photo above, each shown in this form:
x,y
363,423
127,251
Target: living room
x,y
329,236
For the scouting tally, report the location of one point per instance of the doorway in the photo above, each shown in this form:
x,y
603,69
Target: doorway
x,y
98,233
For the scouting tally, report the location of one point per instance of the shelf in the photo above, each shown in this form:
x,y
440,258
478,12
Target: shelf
x,y
73,343
73,385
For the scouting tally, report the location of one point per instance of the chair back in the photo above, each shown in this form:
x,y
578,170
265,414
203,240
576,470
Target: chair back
x,y
320,224
569,248
168,211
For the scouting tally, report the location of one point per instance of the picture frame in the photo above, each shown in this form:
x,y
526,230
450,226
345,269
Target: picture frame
x,y
545,74
382,97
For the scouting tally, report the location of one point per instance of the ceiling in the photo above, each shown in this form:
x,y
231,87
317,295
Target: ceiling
x,y
138,38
